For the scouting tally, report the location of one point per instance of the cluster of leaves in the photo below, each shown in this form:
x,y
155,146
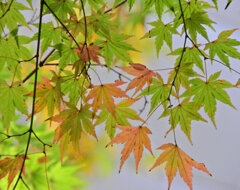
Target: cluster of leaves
x,y
75,42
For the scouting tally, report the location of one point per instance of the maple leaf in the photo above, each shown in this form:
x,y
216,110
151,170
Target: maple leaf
x,y
103,94
11,166
178,160
223,47
72,122
12,98
160,92
163,33
184,72
123,113
183,114
191,55
134,138
195,22
92,51
48,95
207,92
115,46
143,76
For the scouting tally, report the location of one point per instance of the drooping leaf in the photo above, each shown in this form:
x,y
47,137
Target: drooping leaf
x,y
142,73
178,160
103,94
135,138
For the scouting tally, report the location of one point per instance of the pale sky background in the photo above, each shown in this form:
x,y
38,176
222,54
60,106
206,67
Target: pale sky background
x,y
218,149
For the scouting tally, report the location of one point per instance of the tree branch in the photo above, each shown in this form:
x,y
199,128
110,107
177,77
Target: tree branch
x,y
8,9
118,5
34,94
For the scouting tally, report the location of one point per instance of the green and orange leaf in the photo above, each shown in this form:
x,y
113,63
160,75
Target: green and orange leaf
x,y
103,94
72,122
49,96
178,160
143,76
135,138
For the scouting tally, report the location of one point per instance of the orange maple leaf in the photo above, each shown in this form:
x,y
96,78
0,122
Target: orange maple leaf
x,y
135,138
177,159
11,166
143,76
103,94
84,52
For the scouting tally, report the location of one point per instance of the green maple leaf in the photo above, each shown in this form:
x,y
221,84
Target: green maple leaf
x,y
74,86
12,99
13,17
123,113
72,122
102,22
195,22
116,46
183,74
223,47
65,53
191,55
207,93
159,92
12,49
163,33
50,36
62,8
183,114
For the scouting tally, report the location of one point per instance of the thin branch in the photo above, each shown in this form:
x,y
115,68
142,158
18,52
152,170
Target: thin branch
x,y
63,25
34,93
44,144
8,9
11,136
118,5
24,183
40,65
46,58
205,57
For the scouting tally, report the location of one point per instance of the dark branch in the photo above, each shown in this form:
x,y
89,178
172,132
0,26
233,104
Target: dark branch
x,y
8,9
34,94
118,5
